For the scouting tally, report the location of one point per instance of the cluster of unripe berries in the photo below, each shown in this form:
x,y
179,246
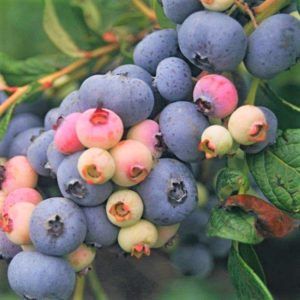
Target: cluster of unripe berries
x,y
121,146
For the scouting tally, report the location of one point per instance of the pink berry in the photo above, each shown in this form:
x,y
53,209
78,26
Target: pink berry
x,y
148,133
21,195
100,128
65,139
133,162
2,199
216,96
96,166
17,173
16,222
81,258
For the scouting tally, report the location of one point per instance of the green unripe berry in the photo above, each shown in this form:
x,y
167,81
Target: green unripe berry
x,y
124,208
216,141
138,239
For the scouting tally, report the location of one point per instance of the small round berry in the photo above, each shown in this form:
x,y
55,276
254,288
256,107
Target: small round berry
x,y
82,257
248,125
96,166
33,275
271,134
100,128
7,249
138,239
216,141
217,5
148,133
16,222
133,162
17,173
66,140
57,227
124,208
21,195
216,96
165,235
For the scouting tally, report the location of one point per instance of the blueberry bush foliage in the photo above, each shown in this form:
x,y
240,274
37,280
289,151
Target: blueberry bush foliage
x,y
66,41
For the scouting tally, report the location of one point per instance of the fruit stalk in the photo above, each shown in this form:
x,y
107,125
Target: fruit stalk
x,y
79,289
96,286
46,82
252,92
265,10
148,12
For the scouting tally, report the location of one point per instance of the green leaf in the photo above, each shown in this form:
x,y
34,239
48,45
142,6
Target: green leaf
x,y
298,6
250,256
229,181
277,171
234,225
163,21
272,95
91,13
21,72
5,120
242,267
56,32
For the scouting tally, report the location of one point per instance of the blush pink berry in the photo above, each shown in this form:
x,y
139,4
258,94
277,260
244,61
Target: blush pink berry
x,y
65,139
216,96
100,128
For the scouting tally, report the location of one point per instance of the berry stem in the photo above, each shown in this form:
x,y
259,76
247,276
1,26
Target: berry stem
x,y
265,10
245,8
46,82
252,92
79,289
148,12
96,286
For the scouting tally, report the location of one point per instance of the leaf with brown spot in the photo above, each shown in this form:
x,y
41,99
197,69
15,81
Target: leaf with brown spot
x,y
271,222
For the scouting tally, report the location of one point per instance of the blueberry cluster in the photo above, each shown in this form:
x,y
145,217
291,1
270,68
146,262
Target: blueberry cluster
x,y
120,148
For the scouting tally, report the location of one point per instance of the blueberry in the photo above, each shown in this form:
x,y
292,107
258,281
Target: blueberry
x,y
219,247
132,99
271,133
37,152
169,193
155,47
100,232
274,46
174,79
18,124
212,41
193,260
70,104
7,249
38,106
193,228
51,118
178,10
54,158
57,227
19,145
134,71
182,126
72,186
33,275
